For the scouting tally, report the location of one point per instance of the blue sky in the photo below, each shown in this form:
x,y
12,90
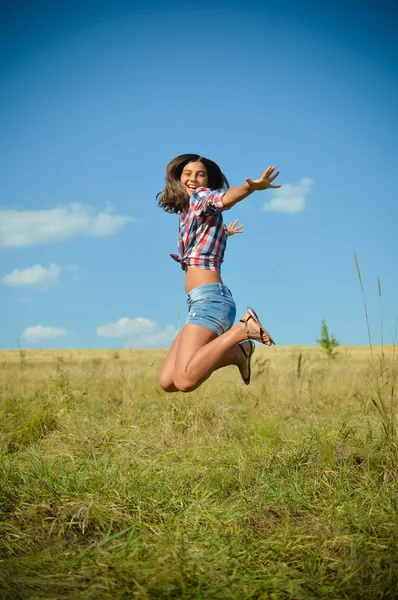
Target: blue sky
x,y
97,97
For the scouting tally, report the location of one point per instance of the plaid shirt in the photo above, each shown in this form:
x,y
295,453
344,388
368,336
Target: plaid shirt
x,y
202,235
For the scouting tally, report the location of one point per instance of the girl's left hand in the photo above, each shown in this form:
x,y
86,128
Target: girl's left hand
x,y
265,181
232,228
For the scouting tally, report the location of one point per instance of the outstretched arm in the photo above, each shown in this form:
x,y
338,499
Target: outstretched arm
x,y
240,192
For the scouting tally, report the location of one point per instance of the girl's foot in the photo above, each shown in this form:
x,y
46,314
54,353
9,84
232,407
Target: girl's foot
x,y
247,347
254,329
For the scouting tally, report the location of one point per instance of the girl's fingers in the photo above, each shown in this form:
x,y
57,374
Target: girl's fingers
x,y
274,176
268,172
267,175
232,229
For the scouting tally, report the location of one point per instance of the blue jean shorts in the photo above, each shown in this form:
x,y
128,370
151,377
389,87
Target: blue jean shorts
x,y
211,306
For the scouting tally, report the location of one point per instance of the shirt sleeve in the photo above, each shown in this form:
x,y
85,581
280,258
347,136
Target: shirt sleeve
x,y
205,201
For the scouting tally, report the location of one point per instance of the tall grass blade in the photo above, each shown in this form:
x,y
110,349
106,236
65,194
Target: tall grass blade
x,y
365,305
385,410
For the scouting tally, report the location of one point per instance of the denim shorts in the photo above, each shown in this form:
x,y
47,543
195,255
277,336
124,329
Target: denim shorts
x,y
211,306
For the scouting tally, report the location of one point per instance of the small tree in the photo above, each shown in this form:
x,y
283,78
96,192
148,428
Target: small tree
x,y
328,343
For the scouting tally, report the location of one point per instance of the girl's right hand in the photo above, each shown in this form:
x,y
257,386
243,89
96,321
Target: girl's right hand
x,y
232,228
265,181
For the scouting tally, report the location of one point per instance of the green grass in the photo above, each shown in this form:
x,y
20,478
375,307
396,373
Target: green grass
x,y
111,488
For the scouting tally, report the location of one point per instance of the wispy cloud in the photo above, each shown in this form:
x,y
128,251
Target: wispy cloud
x,y
139,332
40,333
290,198
34,276
29,227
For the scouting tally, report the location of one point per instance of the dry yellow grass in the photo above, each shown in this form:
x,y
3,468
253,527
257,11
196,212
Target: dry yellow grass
x,y
111,488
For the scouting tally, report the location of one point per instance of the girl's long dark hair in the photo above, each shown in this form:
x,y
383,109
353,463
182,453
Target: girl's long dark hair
x,y
174,198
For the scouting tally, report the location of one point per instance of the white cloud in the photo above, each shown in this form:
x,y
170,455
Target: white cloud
x,y
140,332
30,227
33,276
290,198
39,333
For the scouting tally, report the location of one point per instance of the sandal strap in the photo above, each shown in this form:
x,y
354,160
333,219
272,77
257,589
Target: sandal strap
x,y
243,350
252,337
244,321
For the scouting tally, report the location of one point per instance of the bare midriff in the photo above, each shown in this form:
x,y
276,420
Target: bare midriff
x,y
195,277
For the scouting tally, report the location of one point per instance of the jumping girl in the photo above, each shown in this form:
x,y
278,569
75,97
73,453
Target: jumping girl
x,y
198,191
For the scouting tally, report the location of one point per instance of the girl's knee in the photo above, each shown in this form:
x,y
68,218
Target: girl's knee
x,y
177,382
184,384
166,384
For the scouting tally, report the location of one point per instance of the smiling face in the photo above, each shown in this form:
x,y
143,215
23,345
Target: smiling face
x,y
194,175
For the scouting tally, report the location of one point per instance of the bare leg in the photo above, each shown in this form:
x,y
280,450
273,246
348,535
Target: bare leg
x,y
200,351
233,356
166,377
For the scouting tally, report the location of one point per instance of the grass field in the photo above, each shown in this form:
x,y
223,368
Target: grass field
x,y
111,488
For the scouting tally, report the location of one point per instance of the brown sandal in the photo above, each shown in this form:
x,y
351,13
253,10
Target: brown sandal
x,y
263,331
248,357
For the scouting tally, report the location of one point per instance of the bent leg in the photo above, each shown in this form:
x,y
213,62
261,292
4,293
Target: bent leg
x,y
197,352
200,351
167,374
166,377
